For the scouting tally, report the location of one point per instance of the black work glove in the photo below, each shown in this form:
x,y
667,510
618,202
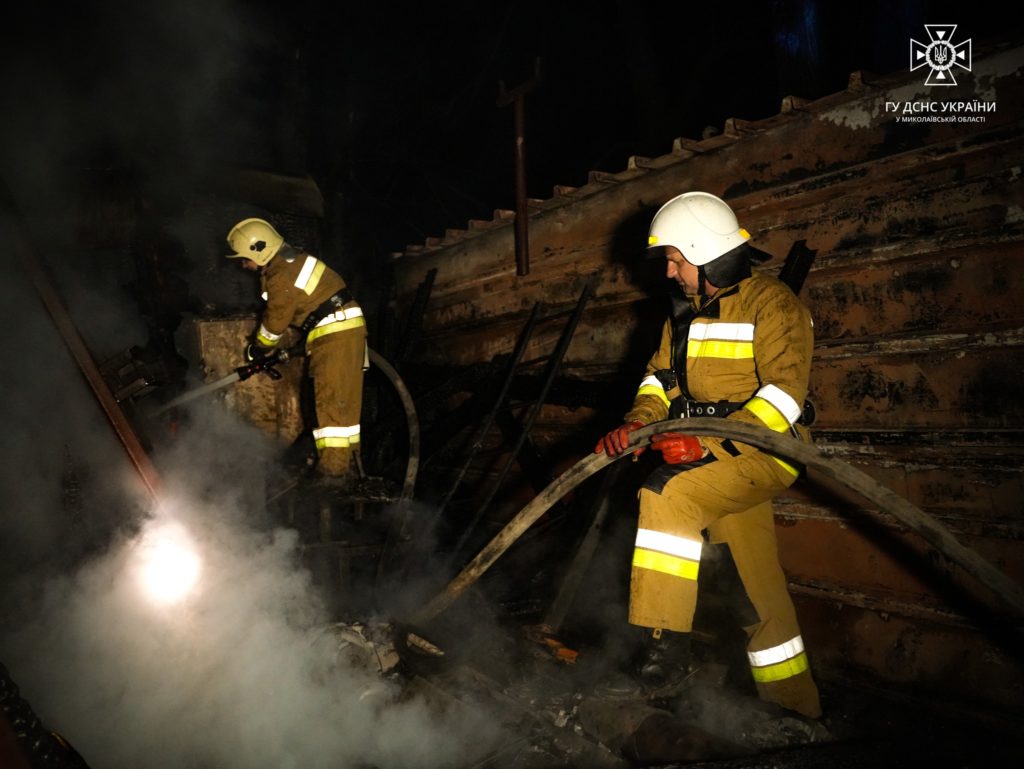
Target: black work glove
x,y
255,352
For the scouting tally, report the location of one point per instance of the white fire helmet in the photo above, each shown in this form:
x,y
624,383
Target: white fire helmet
x,y
254,239
700,225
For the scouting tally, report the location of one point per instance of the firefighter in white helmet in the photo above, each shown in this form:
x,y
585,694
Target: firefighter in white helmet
x,y
739,347
301,290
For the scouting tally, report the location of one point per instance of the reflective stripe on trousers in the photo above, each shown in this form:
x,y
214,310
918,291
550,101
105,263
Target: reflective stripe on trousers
x,y
667,553
783,661
336,437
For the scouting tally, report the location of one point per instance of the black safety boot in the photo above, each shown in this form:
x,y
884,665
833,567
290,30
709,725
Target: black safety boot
x,y
664,661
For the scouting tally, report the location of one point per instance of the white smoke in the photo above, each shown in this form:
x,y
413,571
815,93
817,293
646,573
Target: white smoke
x,y
242,671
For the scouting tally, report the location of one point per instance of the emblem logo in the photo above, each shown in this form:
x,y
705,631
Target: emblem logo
x,y
940,54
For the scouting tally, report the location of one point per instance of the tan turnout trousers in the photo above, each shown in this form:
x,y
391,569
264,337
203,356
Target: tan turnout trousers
x,y
336,367
731,499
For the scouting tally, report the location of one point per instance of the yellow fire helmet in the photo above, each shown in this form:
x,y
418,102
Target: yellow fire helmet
x,y
254,239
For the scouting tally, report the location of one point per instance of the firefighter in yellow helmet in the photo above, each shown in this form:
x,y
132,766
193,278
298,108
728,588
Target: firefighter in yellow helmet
x,y
301,290
739,347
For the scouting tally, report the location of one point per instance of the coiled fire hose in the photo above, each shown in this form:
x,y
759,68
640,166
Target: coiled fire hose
x,y
778,444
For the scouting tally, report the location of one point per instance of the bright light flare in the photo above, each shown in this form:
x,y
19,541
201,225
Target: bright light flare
x,y
167,563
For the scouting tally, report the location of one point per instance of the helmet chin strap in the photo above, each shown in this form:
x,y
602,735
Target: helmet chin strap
x,y
701,282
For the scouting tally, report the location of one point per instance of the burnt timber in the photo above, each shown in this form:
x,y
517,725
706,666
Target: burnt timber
x,y
919,230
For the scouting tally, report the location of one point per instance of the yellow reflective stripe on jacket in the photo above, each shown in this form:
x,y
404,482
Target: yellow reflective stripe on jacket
x,y
336,437
733,341
779,662
787,467
667,553
310,274
652,386
782,401
767,405
267,338
342,320
767,413
717,349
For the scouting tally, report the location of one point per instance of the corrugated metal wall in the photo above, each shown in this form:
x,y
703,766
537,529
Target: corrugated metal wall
x,y
919,312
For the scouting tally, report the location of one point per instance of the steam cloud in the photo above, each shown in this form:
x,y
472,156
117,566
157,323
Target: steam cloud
x,y
245,672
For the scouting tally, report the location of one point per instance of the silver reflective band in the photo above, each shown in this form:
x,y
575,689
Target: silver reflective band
x,y
781,653
264,296
268,335
649,539
652,381
732,332
781,400
307,270
336,432
351,312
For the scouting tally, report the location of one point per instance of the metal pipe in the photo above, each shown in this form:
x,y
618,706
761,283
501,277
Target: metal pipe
x,y
79,351
522,236
515,97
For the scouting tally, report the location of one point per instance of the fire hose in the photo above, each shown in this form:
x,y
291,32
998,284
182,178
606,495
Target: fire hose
x,y
778,444
267,365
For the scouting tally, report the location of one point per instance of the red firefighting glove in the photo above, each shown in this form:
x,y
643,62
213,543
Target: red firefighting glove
x,y
677,448
617,441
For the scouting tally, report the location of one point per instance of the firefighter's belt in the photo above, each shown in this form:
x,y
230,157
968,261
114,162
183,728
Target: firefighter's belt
x,y
683,408
688,409
331,305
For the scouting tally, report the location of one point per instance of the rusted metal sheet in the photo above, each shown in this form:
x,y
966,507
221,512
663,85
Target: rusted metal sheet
x,y
977,490
977,287
919,230
597,348
864,553
820,145
965,381
847,222
943,661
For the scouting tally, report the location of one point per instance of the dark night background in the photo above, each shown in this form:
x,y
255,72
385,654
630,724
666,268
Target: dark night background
x,y
392,108
112,113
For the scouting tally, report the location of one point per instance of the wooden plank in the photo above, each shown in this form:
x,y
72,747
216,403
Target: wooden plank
x,y
976,287
851,221
859,552
958,666
969,487
959,383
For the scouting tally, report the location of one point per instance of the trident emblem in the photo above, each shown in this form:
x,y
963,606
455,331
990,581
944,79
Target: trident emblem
x,y
940,54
